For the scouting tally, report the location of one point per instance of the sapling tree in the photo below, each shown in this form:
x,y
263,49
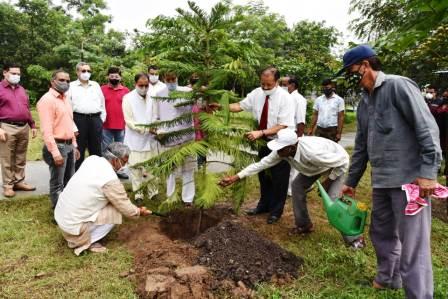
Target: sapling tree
x,y
218,60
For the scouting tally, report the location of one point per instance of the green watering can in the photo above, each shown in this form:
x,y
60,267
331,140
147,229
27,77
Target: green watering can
x,y
346,215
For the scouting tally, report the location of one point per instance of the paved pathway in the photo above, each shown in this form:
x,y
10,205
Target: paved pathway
x,y
37,173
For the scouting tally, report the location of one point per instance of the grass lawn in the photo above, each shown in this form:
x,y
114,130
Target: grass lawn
x,y
35,262
35,144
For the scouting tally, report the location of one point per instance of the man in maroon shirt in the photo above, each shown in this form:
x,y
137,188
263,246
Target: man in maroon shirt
x,y
15,123
113,127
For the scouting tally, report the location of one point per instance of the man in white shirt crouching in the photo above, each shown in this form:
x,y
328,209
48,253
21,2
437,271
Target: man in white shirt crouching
x,y
312,157
94,200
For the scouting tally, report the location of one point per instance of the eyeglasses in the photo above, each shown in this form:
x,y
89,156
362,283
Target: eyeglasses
x,y
86,71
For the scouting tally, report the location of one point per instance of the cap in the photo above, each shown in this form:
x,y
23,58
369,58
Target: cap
x,y
285,137
355,55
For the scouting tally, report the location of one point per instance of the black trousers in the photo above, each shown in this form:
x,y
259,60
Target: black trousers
x,y
90,128
273,186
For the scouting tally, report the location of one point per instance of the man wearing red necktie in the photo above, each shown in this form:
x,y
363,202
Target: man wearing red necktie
x,y
273,108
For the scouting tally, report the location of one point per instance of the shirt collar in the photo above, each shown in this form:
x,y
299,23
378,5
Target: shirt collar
x,y
78,83
380,78
56,94
5,84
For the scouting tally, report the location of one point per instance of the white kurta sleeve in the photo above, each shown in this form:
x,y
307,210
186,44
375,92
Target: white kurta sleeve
x,y
267,162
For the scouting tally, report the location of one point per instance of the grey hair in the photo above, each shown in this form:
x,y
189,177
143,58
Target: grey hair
x,y
80,64
116,150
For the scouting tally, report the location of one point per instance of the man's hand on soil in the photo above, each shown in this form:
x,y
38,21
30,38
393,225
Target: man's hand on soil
x,y
229,180
427,186
144,211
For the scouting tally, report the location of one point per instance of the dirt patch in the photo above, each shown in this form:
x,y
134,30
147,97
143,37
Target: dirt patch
x,y
161,265
240,254
189,223
226,258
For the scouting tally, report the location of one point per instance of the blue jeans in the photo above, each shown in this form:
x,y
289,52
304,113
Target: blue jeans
x,y
111,135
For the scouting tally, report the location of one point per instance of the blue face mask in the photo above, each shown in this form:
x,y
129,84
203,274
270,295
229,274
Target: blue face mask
x,y
171,86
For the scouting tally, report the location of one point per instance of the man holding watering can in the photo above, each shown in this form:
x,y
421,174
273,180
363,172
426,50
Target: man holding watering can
x,y
312,157
398,135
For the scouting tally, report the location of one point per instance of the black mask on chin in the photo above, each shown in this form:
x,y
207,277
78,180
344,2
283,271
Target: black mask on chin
x,y
327,91
114,82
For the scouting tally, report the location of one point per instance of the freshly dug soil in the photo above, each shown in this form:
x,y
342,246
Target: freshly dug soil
x,y
183,224
234,252
170,261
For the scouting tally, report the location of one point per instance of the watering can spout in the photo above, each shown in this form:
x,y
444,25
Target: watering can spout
x,y
345,214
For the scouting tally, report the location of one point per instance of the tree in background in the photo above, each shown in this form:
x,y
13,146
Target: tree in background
x,y
411,36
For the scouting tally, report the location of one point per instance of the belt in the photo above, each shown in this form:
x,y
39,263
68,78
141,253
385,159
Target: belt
x,y
327,128
88,114
14,123
64,141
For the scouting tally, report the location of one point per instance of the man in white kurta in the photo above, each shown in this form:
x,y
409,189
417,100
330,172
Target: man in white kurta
x,y
312,157
94,200
140,109
167,111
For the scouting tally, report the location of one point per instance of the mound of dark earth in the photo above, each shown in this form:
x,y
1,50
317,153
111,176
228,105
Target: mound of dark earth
x,y
234,252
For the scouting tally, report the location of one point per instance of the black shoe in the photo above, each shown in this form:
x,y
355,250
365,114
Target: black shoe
x,y
123,176
272,219
253,212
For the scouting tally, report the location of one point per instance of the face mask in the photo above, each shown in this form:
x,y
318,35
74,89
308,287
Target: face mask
x,y
269,92
153,78
353,79
429,96
85,76
171,86
13,79
142,91
114,81
61,87
327,91
285,88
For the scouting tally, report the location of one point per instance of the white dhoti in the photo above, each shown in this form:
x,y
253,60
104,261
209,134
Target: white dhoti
x,y
97,232
186,171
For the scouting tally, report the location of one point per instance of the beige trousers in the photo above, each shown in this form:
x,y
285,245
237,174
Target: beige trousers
x,y
137,175
13,153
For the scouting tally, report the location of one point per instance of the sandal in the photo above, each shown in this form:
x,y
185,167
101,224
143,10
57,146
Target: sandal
x,y
97,248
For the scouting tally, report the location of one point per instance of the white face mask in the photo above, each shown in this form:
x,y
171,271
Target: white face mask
x,y
13,79
429,96
285,88
153,78
85,76
269,92
142,91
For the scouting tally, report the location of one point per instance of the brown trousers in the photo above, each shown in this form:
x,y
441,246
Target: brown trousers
x,y
329,133
13,153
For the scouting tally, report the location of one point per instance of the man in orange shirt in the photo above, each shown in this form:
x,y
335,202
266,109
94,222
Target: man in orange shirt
x,y
56,122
